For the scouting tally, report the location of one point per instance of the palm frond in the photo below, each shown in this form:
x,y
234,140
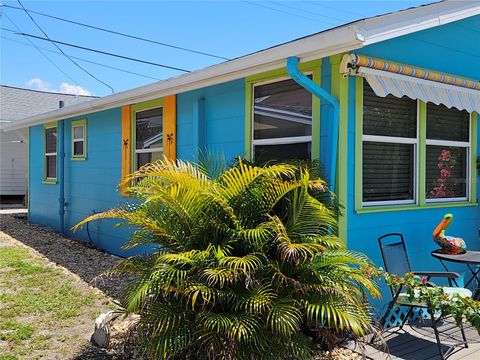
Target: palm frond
x,y
284,318
334,312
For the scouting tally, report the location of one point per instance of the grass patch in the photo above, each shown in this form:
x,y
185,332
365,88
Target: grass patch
x,y
16,332
39,307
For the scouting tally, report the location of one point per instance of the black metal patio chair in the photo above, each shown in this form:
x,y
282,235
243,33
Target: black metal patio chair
x,y
395,260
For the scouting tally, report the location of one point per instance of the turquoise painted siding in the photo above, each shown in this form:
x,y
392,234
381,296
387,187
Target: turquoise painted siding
x,y
90,185
457,55
222,129
43,198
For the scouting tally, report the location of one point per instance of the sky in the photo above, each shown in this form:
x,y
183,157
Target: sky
x,y
223,28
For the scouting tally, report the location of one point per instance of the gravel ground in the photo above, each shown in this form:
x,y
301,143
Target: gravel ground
x,y
91,265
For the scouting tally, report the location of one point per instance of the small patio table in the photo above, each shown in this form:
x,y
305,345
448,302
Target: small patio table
x,y
469,258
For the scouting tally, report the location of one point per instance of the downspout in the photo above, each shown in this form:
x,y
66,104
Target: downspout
x,y
61,171
310,86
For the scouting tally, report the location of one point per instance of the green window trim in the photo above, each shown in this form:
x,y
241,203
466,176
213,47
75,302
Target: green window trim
x,y
421,202
49,181
312,67
134,108
75,124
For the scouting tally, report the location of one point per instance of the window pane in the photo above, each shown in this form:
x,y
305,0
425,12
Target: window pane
x,y
388,116
51,140
78,132
51,167
146,158
149,128
265,153
447,124
388,171
446,172
78,148
282,109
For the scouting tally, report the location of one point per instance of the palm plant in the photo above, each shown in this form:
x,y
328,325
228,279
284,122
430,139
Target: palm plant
x,y
246,264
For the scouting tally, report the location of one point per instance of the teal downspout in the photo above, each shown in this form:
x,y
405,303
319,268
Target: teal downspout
x,y
61,173
309,85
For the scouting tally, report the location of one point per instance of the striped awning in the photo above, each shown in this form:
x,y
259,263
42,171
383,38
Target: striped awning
x,y
403,80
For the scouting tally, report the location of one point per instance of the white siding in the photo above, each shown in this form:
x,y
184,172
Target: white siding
x,y
13,162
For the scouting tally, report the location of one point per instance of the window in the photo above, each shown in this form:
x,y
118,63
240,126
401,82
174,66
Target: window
x,y
412,152
282,121
448,149
148,136
79,151
50,153
390,144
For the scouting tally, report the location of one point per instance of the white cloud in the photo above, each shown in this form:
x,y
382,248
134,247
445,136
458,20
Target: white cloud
x,y
73,89
66,88
39,84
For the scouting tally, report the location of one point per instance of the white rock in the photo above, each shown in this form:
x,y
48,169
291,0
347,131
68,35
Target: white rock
x,y
101,334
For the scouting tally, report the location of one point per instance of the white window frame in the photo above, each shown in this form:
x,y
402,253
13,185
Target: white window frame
x,y
397,140
82,139
46,155
276,141
143,151
459,144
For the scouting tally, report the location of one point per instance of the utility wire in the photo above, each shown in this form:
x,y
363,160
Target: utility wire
x,y
39,50
104,52
308,12
84,60
322,4
60,49
283,11
120,33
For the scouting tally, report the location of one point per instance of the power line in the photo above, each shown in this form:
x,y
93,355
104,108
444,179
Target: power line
x,y
120,33
81,59
38,49
282,11
60,49
104,52
308,12
322,4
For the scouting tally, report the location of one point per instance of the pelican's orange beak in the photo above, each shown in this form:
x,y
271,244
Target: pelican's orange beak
x,y
439,228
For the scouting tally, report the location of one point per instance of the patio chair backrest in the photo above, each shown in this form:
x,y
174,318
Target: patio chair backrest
x,y
394,254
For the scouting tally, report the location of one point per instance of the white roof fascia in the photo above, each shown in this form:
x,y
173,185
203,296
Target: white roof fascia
x,y
393,25
312,47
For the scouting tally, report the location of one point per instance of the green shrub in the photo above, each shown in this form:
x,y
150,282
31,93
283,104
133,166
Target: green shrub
x,y
247,265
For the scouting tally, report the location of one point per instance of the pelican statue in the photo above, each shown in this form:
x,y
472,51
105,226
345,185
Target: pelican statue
x,y
449,244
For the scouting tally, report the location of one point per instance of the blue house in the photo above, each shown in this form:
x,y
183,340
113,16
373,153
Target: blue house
x,y
389,104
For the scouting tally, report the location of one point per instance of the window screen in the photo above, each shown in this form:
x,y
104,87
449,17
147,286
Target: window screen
x,y
447,124
282,121
78,141
51,140
388,171
148,136
448,147
50,153
388,116
389,148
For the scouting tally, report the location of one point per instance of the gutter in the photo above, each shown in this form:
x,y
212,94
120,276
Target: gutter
x,y
310,86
